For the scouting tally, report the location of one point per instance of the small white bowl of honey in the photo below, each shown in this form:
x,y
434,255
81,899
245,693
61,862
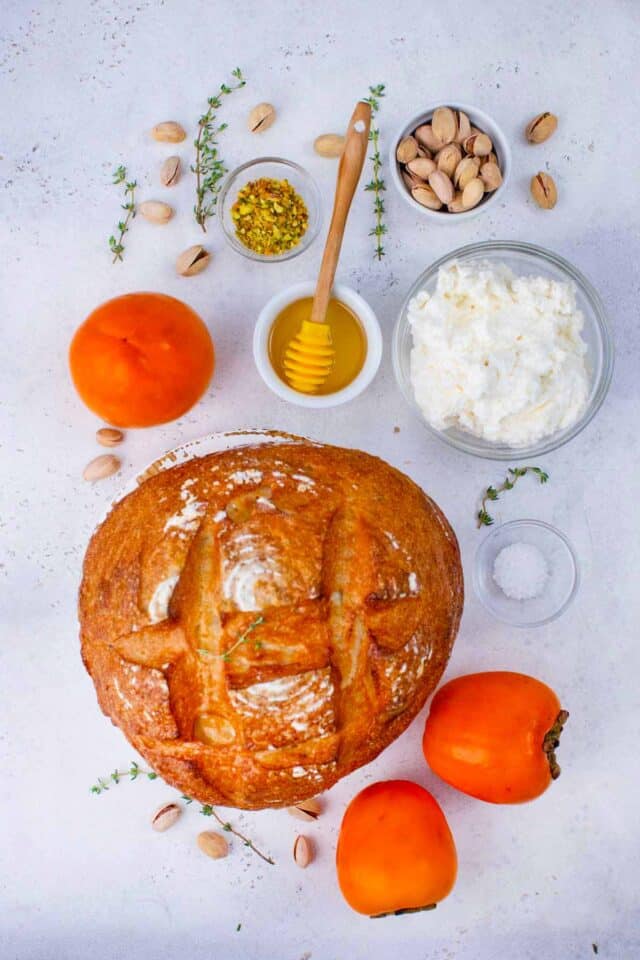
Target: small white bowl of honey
x,y
355,334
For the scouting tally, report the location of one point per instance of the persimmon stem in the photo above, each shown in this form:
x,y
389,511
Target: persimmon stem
x,y
551,743
398,913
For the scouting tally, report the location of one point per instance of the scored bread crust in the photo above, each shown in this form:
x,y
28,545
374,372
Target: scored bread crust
x,y
262,621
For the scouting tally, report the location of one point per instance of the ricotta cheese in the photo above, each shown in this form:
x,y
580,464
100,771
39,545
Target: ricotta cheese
x,y
498,355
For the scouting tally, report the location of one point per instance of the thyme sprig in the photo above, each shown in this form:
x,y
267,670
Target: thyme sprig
x,y
103,783
209,811
376,185
206,809
493,493
116,244
209,167
243,638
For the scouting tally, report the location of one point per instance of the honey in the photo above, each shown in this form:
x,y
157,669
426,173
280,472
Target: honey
x,y
347,335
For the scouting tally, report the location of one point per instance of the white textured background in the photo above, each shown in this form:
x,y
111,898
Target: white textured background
x,y
80,84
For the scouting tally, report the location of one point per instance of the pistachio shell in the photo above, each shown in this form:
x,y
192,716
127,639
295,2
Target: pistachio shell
x,y
472,193
490,176
444,124
193,260
425,136
544,190
407,150
303,852
168,132
464,127
213,844
170,171
421,167
466,170
441,186
411,181
426,197
456,205
261,117
541,127
329,145
155,211
100,467
448,158
109,436
478,145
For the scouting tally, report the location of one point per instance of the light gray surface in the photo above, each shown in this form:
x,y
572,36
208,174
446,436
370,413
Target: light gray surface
x,y
84,876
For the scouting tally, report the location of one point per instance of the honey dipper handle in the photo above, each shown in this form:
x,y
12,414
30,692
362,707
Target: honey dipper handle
x,y
351,164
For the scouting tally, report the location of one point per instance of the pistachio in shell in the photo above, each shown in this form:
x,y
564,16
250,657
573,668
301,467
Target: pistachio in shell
x,y
421,167
426,138
448,158
442,186
426,197
472,193
407,150
444,124
466,170
544,190
541,127
490,176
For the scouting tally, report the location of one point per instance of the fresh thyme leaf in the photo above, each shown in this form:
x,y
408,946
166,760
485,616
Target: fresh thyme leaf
x,y
376,185
116,246
206,809
226,656
209,167
484,519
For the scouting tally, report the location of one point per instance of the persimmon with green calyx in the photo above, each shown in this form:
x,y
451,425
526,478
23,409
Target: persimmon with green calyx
x,y
395,850
494,736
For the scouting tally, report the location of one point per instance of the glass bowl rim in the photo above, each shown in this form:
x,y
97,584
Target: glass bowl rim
x,y
528,522
308,237
475,446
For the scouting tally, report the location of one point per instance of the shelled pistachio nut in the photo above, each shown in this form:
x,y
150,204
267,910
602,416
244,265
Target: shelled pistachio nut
x,y
170,171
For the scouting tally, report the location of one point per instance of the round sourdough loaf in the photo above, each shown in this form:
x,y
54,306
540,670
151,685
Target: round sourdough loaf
x,y
260,622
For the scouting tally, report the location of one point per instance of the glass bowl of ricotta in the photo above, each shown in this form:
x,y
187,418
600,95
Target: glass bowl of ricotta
x,y
503,349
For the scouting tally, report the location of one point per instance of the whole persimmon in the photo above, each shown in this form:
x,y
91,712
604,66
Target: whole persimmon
x,y
395,851
141,359
494,735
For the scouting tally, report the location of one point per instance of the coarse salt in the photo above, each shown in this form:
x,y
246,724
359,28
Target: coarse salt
x,y
520,570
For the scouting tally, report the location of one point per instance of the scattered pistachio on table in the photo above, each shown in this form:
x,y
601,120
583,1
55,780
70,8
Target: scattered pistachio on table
x,y
261,117
544,190
306,809
213,844
192,261
165,816
155,211
541,127
100,467
329,145
170,171
109,436
303,852
169,131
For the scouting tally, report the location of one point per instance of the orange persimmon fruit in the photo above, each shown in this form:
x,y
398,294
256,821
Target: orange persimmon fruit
x,y
141,359
493,735
395,851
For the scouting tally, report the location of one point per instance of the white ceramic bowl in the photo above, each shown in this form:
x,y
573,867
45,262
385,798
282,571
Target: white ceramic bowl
x,y
370,326
478,119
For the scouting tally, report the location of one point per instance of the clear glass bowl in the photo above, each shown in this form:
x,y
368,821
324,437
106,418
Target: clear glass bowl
x,y
562,567
277,169
524,259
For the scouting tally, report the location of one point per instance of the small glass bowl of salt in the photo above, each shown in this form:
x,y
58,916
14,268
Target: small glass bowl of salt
x,y
526,573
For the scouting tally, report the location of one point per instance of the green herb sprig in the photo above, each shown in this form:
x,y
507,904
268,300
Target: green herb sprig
x,y
243,638
376,185
484,518
103,783
116,244
209,811
206,809
209,167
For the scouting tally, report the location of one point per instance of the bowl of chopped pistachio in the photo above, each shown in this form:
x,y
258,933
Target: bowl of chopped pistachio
x,y
270,209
